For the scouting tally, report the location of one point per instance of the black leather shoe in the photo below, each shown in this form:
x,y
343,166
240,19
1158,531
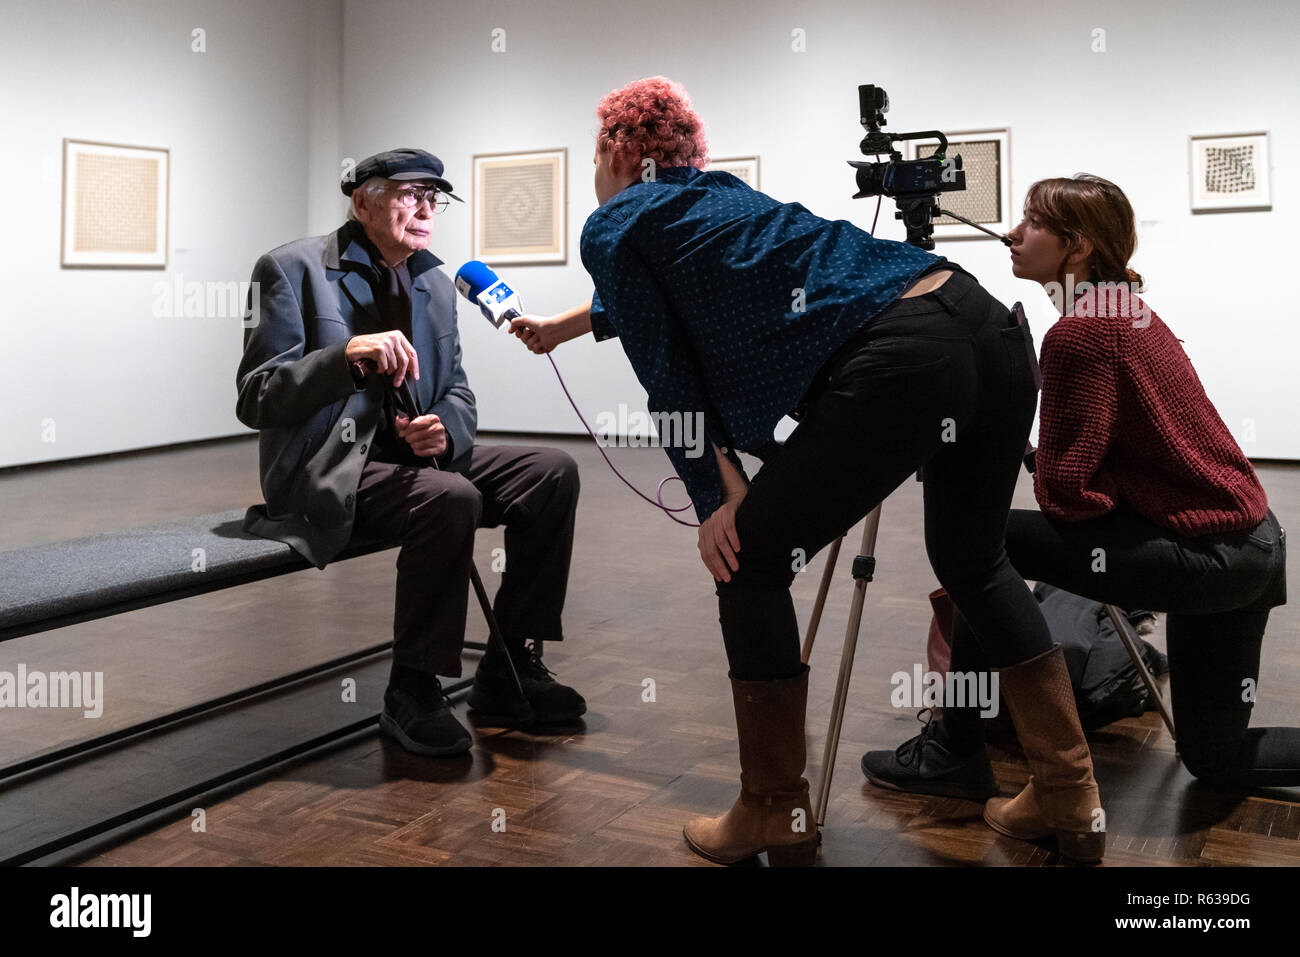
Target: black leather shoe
x,y
422,721
494,694
924,765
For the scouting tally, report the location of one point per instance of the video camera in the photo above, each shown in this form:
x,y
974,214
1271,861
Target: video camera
x,y
914,185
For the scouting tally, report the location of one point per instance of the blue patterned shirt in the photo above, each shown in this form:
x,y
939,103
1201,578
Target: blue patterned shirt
x,y
727,303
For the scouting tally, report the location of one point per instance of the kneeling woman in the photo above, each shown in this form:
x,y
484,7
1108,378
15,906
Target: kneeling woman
x,y
1134,461
739,309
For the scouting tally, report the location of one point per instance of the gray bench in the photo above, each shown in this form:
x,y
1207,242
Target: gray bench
x,y
62,583
43,587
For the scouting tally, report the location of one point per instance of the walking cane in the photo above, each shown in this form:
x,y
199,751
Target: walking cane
x,y
525,713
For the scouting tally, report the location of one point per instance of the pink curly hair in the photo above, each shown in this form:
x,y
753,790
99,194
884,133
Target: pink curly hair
x,y
652,117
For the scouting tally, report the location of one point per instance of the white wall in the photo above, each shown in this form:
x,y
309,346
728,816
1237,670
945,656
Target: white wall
x,y
1169,70
259,124
82,346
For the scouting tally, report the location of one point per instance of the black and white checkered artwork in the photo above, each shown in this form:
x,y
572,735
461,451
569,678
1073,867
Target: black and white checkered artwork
x,y
1230,169
981,200
1230,172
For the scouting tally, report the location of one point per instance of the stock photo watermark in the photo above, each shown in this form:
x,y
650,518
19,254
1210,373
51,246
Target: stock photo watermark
x,y
129,911
208,299
953,689
1117,299
55,689
636,429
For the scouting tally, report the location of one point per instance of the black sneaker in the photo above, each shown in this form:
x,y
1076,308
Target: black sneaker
x,y
423,722
494,694
924,765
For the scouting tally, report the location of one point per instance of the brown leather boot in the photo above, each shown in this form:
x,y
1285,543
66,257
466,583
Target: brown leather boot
x,y
1061,797
773,812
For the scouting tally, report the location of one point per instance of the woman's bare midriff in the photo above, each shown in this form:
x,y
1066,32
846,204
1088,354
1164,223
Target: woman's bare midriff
x,y
927,284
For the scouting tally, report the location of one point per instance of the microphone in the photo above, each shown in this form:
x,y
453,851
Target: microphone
x,y
478,283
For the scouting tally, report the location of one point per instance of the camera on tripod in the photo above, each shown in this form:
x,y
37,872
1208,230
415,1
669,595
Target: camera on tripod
x,y
914,185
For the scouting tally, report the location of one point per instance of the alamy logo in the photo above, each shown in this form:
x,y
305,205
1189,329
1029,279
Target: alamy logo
x,y
954,689
179,299
103,910
1115,299
58,689
647,429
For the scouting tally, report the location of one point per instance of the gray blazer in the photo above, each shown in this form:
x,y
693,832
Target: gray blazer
x,y
296,387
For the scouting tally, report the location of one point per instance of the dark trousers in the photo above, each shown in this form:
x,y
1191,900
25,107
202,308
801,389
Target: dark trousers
x,y
1217,590
944,381
433,515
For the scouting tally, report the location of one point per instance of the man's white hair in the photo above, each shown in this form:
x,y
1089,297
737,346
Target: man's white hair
x,y
372,188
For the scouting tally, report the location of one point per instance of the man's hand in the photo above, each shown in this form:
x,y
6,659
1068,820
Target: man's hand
x,y
426,434
718,539
538,333
390,352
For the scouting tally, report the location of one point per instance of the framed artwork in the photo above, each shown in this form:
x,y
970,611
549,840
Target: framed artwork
x,y
1230,172
115,205
521,207
986,160
743,167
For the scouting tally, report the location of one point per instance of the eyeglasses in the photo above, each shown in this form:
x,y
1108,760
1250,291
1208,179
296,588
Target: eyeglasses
x,y
409,197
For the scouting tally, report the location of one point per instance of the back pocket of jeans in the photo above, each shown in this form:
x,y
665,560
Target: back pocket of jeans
x,y
890,357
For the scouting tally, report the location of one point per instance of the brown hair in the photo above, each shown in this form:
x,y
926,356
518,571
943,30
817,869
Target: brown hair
x,y
1092,208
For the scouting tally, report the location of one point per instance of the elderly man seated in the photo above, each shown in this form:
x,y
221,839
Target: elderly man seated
x,y
353,377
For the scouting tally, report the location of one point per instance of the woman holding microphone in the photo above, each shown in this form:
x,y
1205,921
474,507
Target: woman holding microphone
x,y
1135,466
738,309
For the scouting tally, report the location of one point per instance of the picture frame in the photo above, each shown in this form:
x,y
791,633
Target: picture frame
x,y
742,167
986,160
1230,172
520,207
115,205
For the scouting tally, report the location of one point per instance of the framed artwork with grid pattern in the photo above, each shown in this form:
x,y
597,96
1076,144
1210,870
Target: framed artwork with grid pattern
x,y
521,207
986,160
115,205
1230,172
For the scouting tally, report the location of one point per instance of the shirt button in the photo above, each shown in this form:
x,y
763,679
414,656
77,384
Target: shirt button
x,y
349,500
363,448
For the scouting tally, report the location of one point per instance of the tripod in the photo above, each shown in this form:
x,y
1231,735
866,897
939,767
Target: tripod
x,y
864,566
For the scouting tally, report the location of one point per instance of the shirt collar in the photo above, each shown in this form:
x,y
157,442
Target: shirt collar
x,y
683,173
354,247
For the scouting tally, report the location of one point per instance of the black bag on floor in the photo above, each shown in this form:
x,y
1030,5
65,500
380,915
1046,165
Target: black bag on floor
x,y
1107,686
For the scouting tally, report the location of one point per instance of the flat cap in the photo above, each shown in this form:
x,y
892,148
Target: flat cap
x,y
398,164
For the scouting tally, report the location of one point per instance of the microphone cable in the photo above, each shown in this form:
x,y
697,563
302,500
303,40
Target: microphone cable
x,y
658,501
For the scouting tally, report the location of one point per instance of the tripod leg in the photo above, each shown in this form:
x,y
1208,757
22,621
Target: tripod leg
x,y
863,566
822,589
1122,626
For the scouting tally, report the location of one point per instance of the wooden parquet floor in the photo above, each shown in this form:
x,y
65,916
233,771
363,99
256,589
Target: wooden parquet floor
x,y
617,790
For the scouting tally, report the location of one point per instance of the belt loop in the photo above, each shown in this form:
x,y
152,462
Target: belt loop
x,y
944,300
944,294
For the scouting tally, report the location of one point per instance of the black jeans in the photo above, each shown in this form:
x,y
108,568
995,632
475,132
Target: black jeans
x,y
434,514
944,381
1217,590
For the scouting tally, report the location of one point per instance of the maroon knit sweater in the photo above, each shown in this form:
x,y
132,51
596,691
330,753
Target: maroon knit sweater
x,y
1125,420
